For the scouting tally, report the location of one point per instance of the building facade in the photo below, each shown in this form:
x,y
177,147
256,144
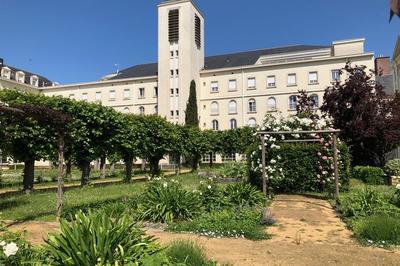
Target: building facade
x,y
233,90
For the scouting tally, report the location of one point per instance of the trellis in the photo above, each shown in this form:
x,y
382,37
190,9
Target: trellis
x,y
334,132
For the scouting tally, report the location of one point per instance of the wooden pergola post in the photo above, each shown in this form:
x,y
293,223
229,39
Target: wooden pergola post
x,y
263,157
336,170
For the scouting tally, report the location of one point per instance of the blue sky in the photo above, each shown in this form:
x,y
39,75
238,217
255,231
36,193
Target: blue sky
x,y
80,40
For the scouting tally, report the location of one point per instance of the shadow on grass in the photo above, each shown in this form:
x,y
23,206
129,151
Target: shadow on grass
x,y
11,203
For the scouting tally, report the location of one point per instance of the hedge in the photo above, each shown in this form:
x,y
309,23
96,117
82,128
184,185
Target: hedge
x,y
299,164
369,175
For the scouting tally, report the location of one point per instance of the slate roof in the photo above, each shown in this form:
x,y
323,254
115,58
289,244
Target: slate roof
x,y
43,81
218,61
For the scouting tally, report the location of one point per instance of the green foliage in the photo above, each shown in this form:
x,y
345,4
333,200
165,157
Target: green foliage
x,y
239,223
167,202
297,168
244,195
380,230
369,175
96,239
25,254
192,116
213,196
392,167
365,202
187,253
195,145
234,170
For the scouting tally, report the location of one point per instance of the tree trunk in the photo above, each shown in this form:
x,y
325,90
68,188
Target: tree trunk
x,y
60,177
211,159
143,167
195,164
85,167
29,171
128,168
154,168
103,167
68,171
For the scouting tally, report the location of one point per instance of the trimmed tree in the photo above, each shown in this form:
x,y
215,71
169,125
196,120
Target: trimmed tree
x,y
192,116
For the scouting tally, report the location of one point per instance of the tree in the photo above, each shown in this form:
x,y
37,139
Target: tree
x,y
195,146
306,106
192,117
157,138
127,142
368,118
394,8
214,141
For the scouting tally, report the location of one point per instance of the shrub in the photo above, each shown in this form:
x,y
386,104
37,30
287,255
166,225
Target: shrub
x,y
365,202
97,239
187,253
15,250
167,202
369,175
245,223
234,170
244,195
298,166
212,196
392,167
378,230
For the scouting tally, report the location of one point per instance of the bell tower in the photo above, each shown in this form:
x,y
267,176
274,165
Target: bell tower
x,y
180,55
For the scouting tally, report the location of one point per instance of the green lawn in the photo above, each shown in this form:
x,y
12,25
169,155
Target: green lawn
x,y
41,206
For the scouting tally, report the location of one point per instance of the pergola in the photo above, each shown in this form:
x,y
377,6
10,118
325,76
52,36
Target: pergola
x,y
334,132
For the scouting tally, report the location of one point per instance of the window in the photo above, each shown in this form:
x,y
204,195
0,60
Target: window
x,y
177,112
335,75
214,108
141,92
229,157
126,110
206,158
214,86
232,107
293,102
112,95
271,104
34,81
177,72
141,110
127,94
271,81
314,101
172,53
98,96
156,109
20,76
172,72
177,91
252,106
155,92
6,72
252,122
71,96
313,77
291,81
232,85
172,113
172,92
215,125
197,32
251,83
177,53
173,25
84,96
233,124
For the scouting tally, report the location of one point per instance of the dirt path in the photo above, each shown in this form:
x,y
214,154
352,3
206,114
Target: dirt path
x,y
308,232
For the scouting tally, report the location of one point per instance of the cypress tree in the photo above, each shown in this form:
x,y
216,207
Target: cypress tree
x,y
192,117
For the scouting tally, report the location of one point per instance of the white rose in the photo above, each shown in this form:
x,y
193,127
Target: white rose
x,y
398,186
165,184
10,249
209,187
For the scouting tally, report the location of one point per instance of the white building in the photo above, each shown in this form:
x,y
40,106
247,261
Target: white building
x,y
233,90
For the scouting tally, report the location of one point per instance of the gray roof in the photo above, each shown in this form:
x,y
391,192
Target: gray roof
x,y
387,83
218,61
43,81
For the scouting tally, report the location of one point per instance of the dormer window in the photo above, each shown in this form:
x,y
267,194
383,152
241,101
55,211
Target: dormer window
x,y
6,72
20,77
35,81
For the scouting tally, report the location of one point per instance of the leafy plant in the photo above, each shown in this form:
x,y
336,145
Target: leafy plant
x,y
369,175
392,167
239,223
234,170
15,250
187,253
212,196
96,239
379,230
167,202
244,195
365,202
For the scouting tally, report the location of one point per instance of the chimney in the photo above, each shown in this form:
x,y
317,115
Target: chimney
x,y
382,66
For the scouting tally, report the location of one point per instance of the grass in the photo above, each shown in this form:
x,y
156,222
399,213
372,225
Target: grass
x,y
41,205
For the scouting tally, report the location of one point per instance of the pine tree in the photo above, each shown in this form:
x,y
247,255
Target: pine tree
x,y
192,118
